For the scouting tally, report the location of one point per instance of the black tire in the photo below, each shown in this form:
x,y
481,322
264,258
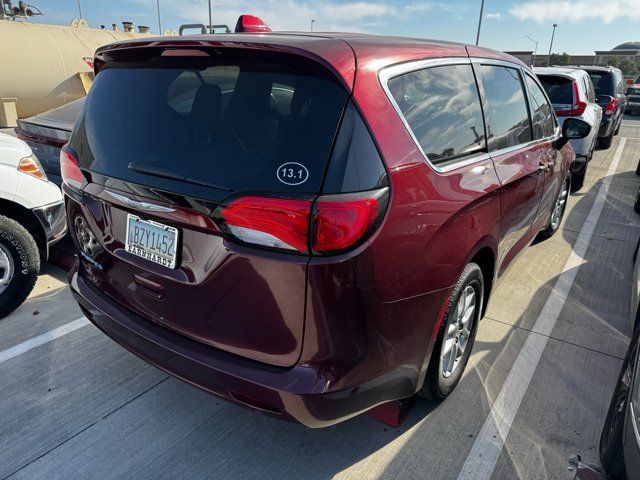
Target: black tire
x,y
636,205
638,168
617,131
577,179
21,250
605,142
552,227
437,385
611,439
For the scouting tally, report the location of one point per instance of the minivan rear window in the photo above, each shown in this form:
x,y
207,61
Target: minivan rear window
x,y
603,83
230,123
559,89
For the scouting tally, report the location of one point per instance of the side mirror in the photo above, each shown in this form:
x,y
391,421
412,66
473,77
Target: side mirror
x,y
575,129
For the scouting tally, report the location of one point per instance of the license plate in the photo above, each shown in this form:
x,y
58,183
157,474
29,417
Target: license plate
x,y
152,241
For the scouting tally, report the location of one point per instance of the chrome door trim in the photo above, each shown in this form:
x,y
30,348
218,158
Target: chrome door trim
x,y
150,207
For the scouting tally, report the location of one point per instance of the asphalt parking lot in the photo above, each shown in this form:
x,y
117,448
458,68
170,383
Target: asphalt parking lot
x,y
76,405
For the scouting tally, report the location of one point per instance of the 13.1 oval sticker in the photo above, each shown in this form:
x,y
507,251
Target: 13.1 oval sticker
x,y
292,173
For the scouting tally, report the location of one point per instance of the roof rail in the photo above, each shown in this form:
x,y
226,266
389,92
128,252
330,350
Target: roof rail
x,y
580,65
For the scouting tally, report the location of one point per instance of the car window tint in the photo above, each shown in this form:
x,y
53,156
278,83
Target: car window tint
x,y
588,85
213,123
442,107
508,122
603,83
559,89
544,123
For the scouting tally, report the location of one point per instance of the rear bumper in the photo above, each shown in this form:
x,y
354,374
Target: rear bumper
x,y
632,107
579,164
288,393
606,127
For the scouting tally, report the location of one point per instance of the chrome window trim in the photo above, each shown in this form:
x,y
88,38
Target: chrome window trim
x,y
387,73
523,71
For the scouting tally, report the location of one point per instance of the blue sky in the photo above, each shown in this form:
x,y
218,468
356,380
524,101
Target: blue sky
x,y
584,25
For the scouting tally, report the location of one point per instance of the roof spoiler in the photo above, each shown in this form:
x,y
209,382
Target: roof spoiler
x,y
251,24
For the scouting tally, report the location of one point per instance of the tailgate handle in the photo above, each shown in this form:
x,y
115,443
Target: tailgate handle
x,y
149,287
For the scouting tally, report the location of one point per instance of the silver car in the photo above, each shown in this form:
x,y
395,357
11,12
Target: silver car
x,y
572,95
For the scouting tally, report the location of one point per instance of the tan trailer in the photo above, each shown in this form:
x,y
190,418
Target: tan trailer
x,y
45,66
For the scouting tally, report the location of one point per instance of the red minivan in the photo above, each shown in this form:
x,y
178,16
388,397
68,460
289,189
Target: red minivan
x,y
307,224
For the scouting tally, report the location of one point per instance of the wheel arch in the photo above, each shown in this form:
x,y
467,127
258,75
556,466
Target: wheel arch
x,y
28,220
485,258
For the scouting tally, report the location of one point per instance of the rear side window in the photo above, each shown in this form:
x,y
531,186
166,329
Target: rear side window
x,y
559,89
442,107
544,124
588,88
224,123
508,122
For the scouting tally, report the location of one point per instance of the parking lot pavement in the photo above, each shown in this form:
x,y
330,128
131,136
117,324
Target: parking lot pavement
x,y
80,406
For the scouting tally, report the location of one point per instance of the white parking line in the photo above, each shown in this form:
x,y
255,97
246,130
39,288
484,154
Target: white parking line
x,y
484,454
46,337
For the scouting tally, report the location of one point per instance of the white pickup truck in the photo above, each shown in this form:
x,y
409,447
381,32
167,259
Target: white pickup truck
x,y
32,218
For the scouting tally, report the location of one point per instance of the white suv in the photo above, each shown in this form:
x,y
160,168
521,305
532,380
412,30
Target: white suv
x,y
32,218
572,94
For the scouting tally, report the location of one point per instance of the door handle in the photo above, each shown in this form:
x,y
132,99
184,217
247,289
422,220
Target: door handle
x,y
543,167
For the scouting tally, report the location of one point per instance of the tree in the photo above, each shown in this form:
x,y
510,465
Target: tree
x,y
628,67
559,58
613,61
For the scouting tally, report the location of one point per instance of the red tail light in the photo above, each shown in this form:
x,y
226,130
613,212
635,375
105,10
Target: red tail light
x,y
335,223
340,224
70,168
272,222
578,107
611,107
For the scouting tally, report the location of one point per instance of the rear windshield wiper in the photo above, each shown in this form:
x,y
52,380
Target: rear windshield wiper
x,y
163,173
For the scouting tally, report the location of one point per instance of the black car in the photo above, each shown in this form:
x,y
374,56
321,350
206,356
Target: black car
x,y
47,132
620,440
611,94
633,99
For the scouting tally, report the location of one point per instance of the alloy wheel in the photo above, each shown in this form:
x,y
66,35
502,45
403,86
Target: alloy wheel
x,y
459,330
561,203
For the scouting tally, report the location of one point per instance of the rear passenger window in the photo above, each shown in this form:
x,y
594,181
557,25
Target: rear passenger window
x,y
544,123
508,122
442,107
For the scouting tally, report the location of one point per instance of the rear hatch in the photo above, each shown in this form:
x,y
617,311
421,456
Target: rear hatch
x,y
46,132
172,142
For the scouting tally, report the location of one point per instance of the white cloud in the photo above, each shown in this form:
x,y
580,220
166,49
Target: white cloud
x,y
575,11
295,14
494,16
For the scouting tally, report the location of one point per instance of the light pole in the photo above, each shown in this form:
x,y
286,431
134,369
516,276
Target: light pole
x,y
79,9
555,25
210,17
312,22
480,22
159,22
533,63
